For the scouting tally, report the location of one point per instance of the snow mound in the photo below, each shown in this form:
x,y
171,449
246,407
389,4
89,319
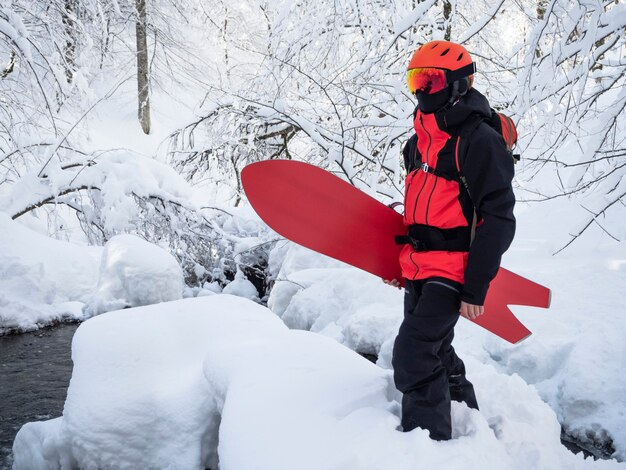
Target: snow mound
x,y
221,380
314,292
242,287
571,358
42,280
346,304
575,357
133,273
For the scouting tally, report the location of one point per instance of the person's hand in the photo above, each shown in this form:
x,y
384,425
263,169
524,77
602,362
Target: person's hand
x,y
471,312
393,282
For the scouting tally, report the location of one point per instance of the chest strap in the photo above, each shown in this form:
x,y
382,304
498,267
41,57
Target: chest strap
x,y
429,238
434,171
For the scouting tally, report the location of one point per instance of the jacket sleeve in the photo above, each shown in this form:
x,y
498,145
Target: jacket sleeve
x,y
488,169
408,152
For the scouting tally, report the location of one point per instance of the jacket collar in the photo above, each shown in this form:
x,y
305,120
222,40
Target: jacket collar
x,y
473,102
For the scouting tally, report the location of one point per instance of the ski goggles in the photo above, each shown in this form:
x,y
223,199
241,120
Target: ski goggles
x,y
431,80
426,80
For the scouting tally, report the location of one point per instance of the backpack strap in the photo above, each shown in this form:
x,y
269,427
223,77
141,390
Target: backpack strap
x,y
416,163
462,143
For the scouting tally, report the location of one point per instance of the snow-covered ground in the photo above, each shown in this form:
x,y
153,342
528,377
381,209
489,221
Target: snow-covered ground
x,y
574,358
191,382
220,379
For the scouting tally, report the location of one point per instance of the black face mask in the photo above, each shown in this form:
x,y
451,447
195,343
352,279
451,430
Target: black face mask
x,y
428,104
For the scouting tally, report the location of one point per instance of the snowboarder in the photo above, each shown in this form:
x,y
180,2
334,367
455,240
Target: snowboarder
x,y
459,211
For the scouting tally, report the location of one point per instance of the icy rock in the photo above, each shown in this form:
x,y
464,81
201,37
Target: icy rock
x,y
133,273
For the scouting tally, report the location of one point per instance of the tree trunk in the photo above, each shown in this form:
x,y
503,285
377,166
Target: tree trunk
x,y
447,13
69,49
142,67
541,13
225,39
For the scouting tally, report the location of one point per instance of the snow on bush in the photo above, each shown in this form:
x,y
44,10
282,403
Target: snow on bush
x,y
41,279
121,191
133,273
230,384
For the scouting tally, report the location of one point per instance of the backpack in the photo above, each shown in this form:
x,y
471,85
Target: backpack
x,y
506,127
502,123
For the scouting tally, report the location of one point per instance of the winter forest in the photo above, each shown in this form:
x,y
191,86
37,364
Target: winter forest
x,y
210,341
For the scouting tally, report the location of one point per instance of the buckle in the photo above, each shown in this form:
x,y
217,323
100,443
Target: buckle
x,y
418,245
425,167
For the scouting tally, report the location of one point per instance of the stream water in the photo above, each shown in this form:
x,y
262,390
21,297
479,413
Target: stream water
x,y
35,370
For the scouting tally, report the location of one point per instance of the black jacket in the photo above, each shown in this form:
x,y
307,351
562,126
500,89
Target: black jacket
x,y
488,169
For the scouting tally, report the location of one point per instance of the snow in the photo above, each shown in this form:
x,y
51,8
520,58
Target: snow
x,y
133,273
342,303
156,386
413,17
191,383
120,176
574,357
42,280
241,287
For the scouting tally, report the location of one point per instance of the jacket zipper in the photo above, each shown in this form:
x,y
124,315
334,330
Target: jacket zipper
x,y
429,198
427,156
417,198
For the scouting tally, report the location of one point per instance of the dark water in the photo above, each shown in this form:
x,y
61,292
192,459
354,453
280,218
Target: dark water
x,y
35,369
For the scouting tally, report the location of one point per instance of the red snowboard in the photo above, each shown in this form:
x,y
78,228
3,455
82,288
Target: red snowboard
x,y
316,209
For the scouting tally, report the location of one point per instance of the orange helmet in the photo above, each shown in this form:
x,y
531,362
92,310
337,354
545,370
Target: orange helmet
x,y
448,56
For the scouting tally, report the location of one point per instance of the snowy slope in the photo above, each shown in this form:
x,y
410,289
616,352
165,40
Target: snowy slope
x,y
189,383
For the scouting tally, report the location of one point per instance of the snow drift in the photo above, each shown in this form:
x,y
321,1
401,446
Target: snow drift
x,y
574,357
133,273
221,380
41,279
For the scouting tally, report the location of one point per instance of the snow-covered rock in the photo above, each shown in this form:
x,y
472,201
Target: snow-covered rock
x,y
191,383
242,287
42,280
134,272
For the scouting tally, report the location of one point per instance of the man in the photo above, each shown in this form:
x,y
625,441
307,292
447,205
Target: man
x,y
459,209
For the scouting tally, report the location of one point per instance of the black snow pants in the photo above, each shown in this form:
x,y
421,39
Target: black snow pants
x,y
426,368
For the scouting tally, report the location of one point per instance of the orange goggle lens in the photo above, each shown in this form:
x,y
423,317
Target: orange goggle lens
x,y
427,80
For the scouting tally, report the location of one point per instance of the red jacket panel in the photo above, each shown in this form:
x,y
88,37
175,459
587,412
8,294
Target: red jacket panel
x,y
445,203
